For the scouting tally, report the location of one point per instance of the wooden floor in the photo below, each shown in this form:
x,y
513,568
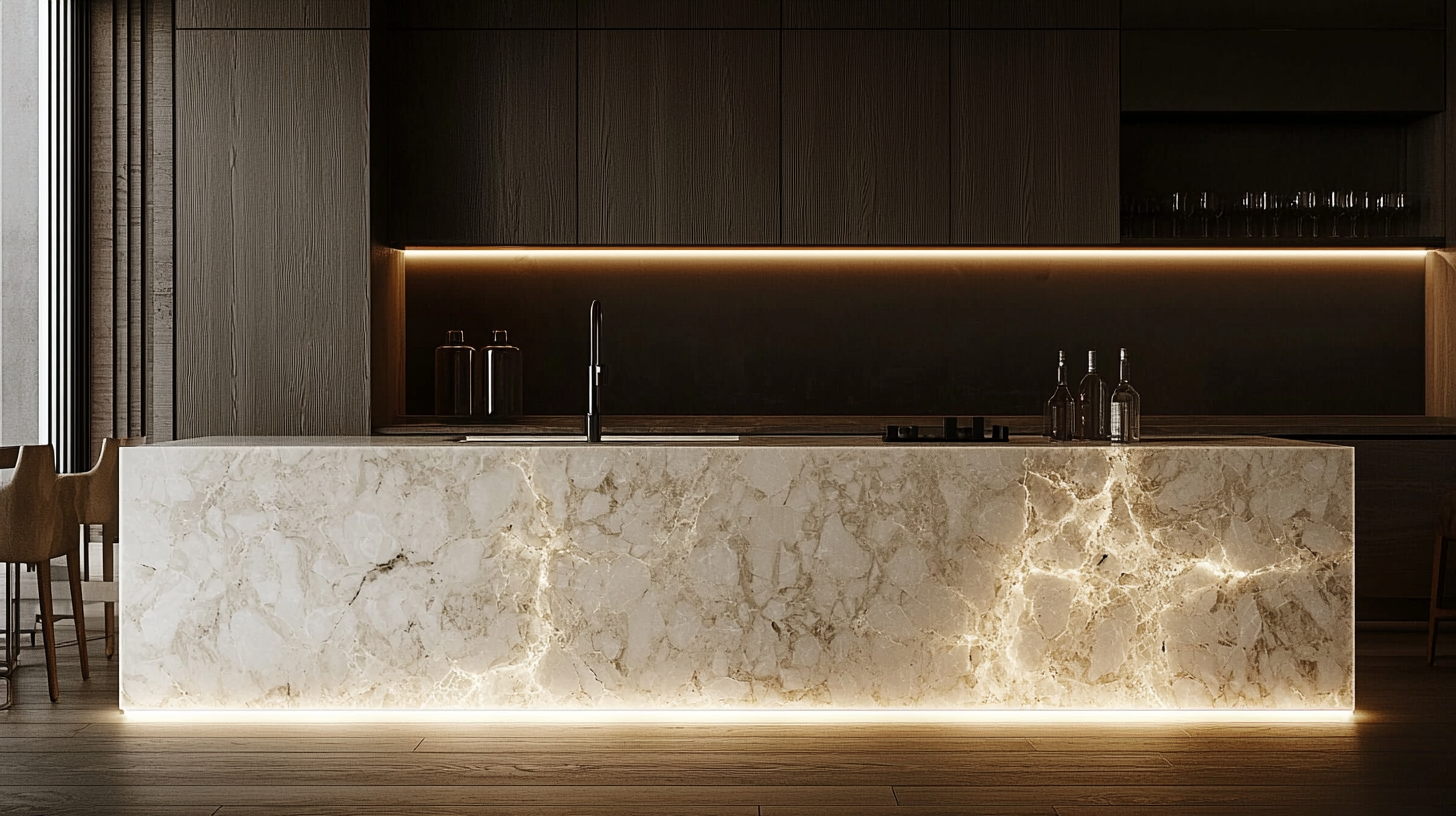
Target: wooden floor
x,y
82,757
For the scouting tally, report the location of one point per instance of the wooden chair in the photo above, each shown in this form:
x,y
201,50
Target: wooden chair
x,y
31,533
1445,533
93,498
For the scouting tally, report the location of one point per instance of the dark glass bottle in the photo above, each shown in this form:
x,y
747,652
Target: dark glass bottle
x,y
452,376
1092,403
498,379
1125,416
1060,418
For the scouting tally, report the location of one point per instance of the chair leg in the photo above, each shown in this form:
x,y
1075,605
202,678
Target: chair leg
x,y
48,627
78,609
108,573
1438,572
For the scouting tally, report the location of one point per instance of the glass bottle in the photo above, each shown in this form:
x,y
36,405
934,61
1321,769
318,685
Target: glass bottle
x,y
1059,421
1125,414
452,376
1092,403
498,370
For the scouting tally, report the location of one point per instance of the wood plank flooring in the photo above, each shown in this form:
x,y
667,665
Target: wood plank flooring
x,y
82,757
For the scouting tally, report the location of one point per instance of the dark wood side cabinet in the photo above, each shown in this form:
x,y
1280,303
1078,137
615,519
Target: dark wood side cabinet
x,y
866,137
480,140
1034,137
679,137
272,276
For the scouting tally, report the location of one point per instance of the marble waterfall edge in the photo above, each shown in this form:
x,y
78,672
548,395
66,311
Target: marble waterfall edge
x,y
812,577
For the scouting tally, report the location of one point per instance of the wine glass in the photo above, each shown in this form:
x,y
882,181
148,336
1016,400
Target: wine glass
x,y
1273,204
1213,204
1297,212
1316,206
1360,215
1178,209
1249,208
1198,215
1400,209
1343,205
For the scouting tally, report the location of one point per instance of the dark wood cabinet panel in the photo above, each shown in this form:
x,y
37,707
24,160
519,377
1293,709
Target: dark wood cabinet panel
x,y
272,14
1307,14
1336,71
866,137
272,292
1034,13
482,14
1034,137
679,137
679,14
481,137
866,13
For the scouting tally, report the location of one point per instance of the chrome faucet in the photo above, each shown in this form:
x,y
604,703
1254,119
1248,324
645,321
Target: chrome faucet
x,y
594,377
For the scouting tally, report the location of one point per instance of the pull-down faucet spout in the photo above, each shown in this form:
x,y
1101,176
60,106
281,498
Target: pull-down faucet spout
x,y
594,377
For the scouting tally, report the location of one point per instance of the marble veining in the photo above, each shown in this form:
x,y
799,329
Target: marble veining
x,y
803,577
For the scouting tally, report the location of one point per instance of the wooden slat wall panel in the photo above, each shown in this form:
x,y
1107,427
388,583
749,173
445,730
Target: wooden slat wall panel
x,y
679,137
272,298
1034,13
158,240
272,13
482,141
130,320
866,13
483,14
103,366
1034,137
679,14
865,137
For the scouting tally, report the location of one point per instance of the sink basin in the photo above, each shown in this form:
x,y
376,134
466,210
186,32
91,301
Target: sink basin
x,y
581,438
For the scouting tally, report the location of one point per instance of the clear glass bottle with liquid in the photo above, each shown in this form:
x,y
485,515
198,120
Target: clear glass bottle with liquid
x,y
1125,408
1092,403
498,373
452,376
1060,418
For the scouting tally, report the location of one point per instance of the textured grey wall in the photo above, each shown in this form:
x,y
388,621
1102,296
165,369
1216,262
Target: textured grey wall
x,y
20,381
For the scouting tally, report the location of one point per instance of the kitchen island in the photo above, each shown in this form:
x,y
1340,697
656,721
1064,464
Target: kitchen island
x,y
813,573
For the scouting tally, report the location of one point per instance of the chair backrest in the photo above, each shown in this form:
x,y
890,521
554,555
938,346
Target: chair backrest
x,y
97,490
28,507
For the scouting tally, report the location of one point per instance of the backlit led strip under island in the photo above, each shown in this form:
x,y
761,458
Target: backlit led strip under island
x,y
782,575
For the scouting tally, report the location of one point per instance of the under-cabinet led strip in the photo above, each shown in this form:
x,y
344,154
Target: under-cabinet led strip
x,y
749,716
969,253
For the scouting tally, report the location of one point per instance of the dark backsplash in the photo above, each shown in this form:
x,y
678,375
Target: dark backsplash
x,y
1276,338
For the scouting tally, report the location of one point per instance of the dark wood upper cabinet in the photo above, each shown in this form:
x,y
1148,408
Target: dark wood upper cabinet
x,y
679,137
480,137
1034,14
865,137
1034,137
482,14
1308,71
679,14
1287,14
271,14
866,13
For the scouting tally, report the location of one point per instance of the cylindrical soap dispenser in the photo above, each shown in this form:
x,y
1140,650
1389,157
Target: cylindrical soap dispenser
x,y
452,376
498,379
